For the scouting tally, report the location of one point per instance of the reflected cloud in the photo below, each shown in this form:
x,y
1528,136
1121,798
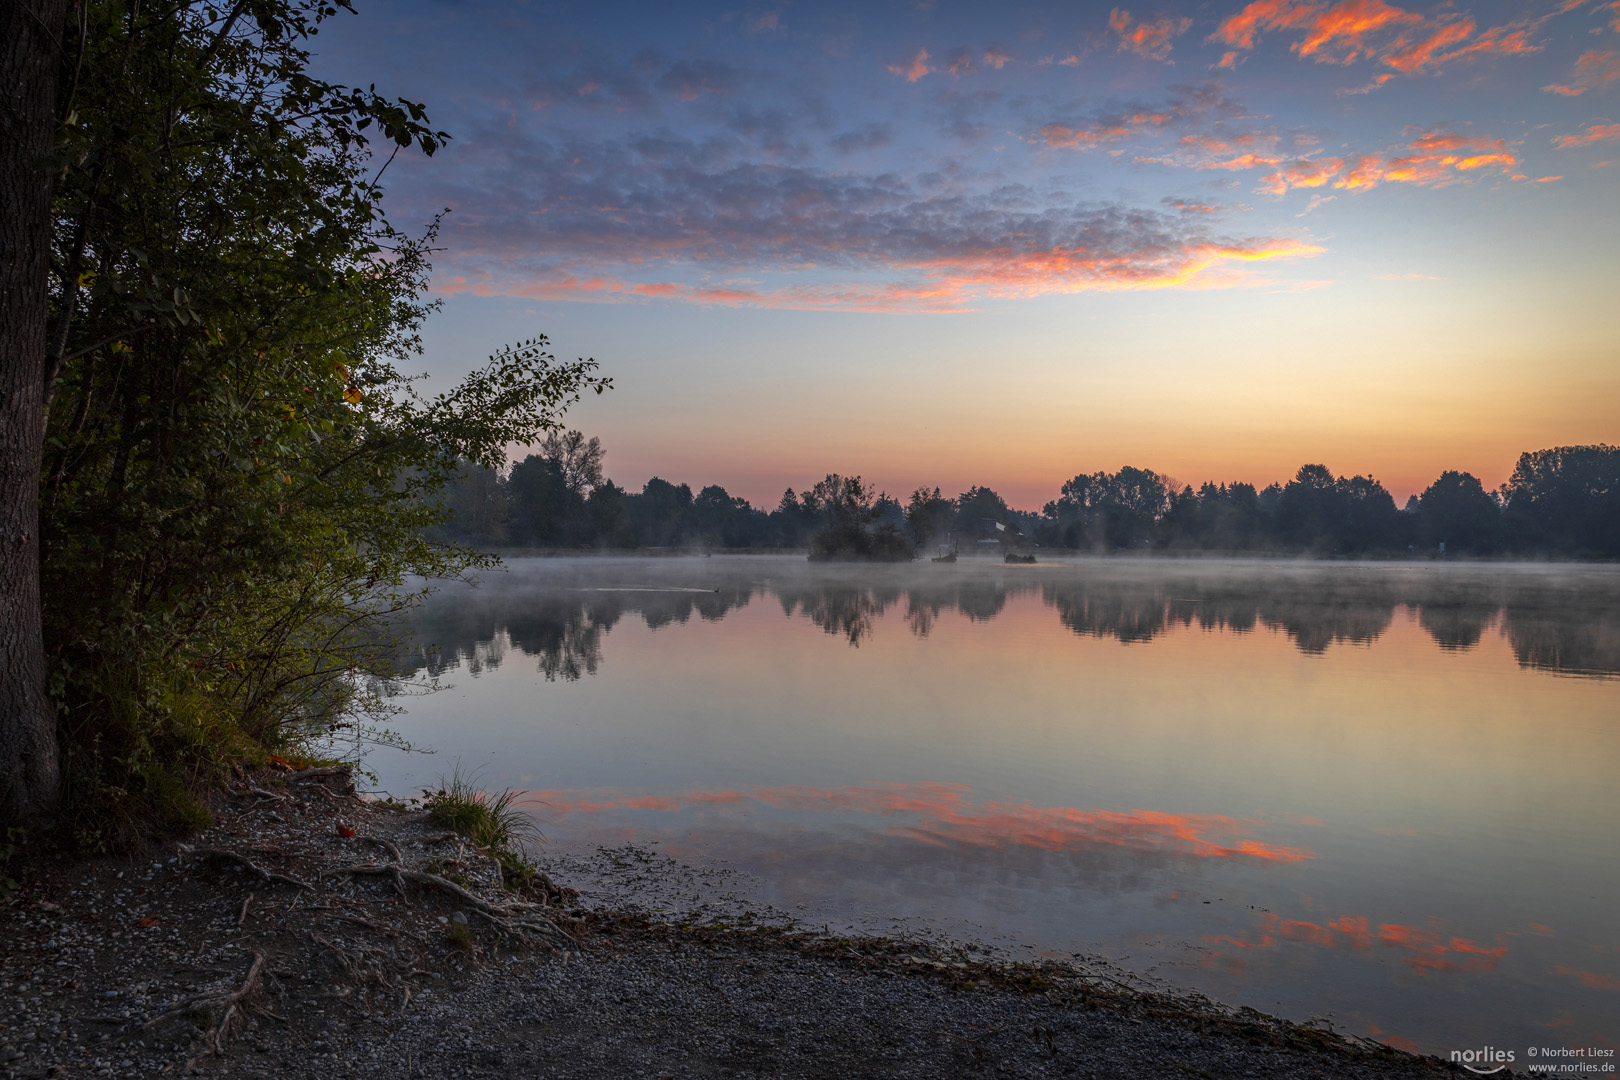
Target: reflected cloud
x,y
946,816
1589,979
1428,950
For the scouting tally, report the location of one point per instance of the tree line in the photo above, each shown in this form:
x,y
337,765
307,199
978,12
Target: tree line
x,y
1563,502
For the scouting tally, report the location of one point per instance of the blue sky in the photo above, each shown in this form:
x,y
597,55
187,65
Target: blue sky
x,y
956,244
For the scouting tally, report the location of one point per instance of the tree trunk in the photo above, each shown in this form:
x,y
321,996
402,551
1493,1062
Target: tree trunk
x,y
30,55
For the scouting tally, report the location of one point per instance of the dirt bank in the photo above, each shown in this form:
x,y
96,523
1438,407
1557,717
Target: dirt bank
x,y
310,934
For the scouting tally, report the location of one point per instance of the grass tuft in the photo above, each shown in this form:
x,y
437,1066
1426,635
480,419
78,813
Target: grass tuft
x,y
487,819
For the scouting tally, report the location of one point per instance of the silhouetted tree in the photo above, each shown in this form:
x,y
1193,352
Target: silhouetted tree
x,y
928,515
850,528
1457,511
607,515
660,515
578,460
1110,510
475,497
1567,500
1316,512
542,508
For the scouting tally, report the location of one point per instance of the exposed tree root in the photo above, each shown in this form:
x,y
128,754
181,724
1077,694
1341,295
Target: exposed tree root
x,y
228,1007
511,918
242,860
387,845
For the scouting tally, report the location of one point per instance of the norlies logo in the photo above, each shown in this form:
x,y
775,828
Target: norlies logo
x,y
1483,1061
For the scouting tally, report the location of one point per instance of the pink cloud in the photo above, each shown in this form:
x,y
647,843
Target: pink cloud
x,y
1593,133
1593,71
1151,40
996,57
913,69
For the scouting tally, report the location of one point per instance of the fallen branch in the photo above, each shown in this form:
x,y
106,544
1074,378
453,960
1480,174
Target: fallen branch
x,y
319,770
242,860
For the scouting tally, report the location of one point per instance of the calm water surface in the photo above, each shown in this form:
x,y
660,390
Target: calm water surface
x,y
1380,794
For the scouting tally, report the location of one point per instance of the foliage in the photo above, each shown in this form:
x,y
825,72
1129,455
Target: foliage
x,y
239,478
1567,500
851,528
928,515
1110,510
1317,512
458,935
489,820
1457,511
578,460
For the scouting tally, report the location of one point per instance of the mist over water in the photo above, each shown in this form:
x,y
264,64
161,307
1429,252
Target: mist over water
x,y
1381,793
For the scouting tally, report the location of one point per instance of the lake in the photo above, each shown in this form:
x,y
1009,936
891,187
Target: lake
x,y
1380,794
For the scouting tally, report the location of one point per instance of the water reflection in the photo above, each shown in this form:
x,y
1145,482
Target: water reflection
x,y
1314,788
560,614
946,814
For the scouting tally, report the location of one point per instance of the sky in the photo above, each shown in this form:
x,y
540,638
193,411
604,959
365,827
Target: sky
x,y
937,243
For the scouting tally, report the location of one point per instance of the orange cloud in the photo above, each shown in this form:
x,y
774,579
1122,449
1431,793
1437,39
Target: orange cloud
x,y
1336,32
1241,29
1588,979
1068,137
996,58
1340,32
1355,929
1594,70
947,284
1352,30
1301,173
1377,81
945,815
1412,57
1150,40
1251,150
913,69
1431,952
1442,158
1594,133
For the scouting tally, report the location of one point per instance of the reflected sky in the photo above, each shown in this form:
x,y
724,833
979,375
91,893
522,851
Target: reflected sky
x,y
1383,794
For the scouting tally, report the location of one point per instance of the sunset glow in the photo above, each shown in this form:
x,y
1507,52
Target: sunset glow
x,y
1214,242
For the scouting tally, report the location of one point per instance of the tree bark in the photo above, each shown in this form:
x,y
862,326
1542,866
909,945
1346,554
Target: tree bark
x,y
30,58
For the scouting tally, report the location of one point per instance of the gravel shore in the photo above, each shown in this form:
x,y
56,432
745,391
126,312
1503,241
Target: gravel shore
x,y
310,934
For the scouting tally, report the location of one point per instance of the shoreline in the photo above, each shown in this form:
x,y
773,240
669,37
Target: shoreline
x,y
309,933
